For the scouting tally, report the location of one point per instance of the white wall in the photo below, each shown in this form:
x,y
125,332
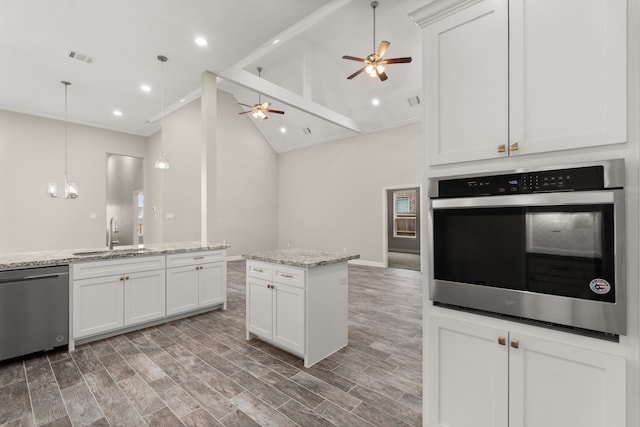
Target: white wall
x,y
31,156
331,195
247,182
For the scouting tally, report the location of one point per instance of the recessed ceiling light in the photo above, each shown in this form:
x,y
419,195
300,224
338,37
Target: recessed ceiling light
x,y
283,130
145,88
276,41
375,101
201,41
117,113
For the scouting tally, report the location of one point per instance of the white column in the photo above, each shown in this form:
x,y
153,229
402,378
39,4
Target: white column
x,y
209,112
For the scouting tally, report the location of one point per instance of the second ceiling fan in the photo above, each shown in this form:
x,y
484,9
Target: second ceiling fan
x,y
374,63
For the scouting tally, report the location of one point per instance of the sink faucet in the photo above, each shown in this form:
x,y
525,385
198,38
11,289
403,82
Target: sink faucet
x,y
113,228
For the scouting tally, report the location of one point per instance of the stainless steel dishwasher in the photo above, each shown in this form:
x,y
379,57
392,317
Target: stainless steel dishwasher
x,y
34,310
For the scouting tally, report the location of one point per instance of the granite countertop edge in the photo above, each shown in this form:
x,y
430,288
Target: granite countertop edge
x,y
19,260
291,257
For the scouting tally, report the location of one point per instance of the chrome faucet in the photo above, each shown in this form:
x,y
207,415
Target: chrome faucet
x,y
113,229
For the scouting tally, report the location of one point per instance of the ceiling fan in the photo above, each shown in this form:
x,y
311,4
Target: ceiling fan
x,y
375,62
260,110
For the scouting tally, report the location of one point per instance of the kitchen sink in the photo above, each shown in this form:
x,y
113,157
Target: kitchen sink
x,y
113,252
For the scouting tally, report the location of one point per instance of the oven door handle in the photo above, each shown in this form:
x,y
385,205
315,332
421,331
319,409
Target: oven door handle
x,y
534,199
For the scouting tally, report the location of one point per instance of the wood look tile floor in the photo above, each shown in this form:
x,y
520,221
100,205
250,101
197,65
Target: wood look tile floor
x,y
200,371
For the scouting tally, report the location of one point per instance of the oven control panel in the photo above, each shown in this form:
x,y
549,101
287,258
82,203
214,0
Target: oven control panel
x,y
572,179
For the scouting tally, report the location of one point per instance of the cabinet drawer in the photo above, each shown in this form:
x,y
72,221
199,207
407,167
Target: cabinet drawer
x,y
289,275
194,258
84,270
259,270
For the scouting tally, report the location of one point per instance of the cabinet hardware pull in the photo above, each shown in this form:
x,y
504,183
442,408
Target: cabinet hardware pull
x,y
259,270
502,340
198,257
515,343
513,147
288,276
502,148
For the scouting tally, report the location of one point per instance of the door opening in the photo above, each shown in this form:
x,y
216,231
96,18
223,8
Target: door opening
x,y
403,228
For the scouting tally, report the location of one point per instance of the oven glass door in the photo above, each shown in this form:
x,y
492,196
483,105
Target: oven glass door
x,y
565,250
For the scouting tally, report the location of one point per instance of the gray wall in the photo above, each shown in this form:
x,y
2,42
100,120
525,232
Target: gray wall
x,y
332,196
31,156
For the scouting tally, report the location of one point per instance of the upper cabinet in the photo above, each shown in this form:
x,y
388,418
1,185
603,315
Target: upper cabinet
x,y
505,78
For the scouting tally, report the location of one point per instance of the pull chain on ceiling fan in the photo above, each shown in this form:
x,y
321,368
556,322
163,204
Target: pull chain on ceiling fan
x,y
375,62
260,110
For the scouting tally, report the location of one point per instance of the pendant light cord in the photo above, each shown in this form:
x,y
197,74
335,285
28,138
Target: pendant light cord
x,y
66,85
162,61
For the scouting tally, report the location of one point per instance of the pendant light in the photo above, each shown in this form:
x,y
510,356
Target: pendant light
x,y
70,188
162,162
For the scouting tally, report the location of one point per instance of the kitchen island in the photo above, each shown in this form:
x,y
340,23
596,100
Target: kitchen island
x,y
297,300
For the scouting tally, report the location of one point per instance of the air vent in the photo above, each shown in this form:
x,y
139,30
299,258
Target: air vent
x,y
306,131
81,57
413,101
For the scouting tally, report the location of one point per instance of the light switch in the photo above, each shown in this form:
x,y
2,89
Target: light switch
x,y
171,216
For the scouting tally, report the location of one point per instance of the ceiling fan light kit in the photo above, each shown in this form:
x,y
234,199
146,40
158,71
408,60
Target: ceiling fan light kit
x,y
375,63
259,110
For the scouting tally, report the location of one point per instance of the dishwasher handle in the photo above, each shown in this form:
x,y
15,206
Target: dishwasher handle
x,y
32,277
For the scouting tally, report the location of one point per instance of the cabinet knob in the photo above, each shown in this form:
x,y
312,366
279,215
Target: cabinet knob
x,y
502,148
502,340
121,278
513,147
515,343
126,277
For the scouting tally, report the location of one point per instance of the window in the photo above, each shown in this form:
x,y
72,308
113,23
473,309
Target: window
x,y
404,213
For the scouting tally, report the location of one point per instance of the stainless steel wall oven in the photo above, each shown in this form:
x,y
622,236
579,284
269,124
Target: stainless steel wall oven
x,y
545,245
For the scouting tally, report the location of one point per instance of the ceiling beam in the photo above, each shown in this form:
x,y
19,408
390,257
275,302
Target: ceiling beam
x,y
265,87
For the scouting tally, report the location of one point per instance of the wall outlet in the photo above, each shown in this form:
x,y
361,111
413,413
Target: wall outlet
x,y
93,215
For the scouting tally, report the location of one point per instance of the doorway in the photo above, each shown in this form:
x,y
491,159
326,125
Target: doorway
x,y
403,228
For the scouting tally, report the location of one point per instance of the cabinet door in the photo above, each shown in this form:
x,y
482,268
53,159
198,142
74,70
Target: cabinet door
x,y
212,287
467,371
182,289
144,296
98,305
259,307
553,384
568,80
288,317
466,84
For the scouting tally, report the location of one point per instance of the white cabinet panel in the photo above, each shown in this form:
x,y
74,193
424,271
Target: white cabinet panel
x,y
144,297
212,282
182,289
288,317
97,305
259,308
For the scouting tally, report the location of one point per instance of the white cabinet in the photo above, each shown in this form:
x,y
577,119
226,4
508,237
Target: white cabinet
x,y
301,310
275,310
108,295
484,376
196,280
523,76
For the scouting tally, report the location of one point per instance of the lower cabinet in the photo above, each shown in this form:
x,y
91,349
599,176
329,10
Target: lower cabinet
x,y
104,301
196,280
275,312
483,376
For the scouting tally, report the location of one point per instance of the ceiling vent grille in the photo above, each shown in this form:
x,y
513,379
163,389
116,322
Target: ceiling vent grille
x,y
306,131
81,57
413,101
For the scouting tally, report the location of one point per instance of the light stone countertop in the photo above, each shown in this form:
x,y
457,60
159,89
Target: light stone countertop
x,y
19,260
301,257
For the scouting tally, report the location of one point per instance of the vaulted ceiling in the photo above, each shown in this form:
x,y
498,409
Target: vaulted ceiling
x,y
303,72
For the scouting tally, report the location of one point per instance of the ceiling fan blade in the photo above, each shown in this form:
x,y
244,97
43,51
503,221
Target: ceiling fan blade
x,y
250,106
275,111
381,75
356,73
396,60
245,112
382,49
353,58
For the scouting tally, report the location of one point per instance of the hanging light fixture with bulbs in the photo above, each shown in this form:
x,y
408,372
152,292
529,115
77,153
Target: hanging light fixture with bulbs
x,y
70,188
162,162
